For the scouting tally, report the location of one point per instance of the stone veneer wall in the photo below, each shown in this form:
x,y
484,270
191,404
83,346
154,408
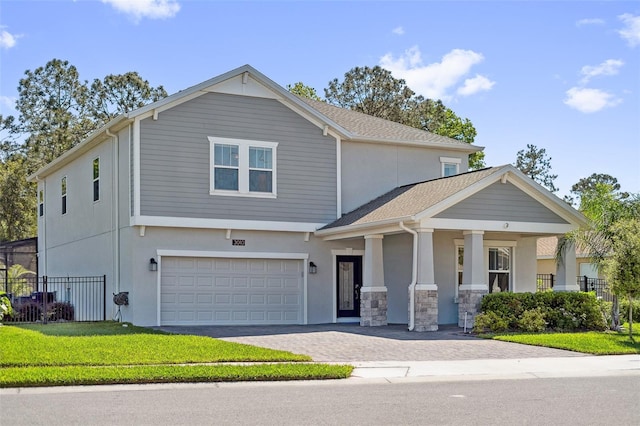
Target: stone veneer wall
x,y
373,308
426,310
469,301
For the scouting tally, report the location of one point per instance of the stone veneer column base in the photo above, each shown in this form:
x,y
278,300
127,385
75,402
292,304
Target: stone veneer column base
x,y
426,310
373,308
469,302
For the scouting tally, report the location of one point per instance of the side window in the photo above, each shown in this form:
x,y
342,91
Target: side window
x,y
63,193
450,166
96,179
260,169
41,203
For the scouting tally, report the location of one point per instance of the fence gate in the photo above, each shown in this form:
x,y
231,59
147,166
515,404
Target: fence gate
x,y
44,299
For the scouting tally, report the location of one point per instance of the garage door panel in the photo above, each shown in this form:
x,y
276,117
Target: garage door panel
x,y
231,291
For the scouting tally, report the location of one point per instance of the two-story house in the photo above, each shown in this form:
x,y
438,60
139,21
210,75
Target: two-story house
x,y
236,202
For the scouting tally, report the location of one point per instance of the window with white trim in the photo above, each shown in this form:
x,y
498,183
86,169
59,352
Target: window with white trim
x,y
243,167
499,269
459,267
63,194
450,166
96,179
41,203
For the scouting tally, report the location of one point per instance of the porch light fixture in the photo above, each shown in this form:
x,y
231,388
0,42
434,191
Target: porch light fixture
x,y
153,265
313,269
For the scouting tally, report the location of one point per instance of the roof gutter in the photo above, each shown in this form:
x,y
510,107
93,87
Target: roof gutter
x,y
414,277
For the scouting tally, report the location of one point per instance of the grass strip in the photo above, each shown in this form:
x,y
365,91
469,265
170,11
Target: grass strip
x,y
66,376
592,342
22,347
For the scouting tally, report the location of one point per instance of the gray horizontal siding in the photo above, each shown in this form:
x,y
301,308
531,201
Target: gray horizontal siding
x,y
501,202
174,161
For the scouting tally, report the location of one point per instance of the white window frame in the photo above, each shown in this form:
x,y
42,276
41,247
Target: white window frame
x,y
63,194
94,180
243,167
41,203
488,244
508,271
447,161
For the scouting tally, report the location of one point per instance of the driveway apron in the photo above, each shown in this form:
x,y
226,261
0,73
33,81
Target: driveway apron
x,y
352,343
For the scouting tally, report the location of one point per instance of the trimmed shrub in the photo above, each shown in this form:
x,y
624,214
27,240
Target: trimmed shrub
x,y
5,306
562,311
532,321
61,311
490,321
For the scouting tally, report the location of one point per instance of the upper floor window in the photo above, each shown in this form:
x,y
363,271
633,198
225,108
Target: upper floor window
x,y
243,167
450,166
41,203
63,193
96,179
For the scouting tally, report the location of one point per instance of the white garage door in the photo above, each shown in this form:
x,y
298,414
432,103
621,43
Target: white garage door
x,y
221,291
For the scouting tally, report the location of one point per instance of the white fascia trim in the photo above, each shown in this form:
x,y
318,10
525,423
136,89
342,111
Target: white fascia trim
x,y
360,230
232,255
489,243
498,226
252,225
455,147
450,160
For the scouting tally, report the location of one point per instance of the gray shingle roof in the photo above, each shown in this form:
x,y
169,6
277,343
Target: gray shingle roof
x,y
370,127
409,200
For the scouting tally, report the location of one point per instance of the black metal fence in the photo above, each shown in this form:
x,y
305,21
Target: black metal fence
x,y
44,299
545,282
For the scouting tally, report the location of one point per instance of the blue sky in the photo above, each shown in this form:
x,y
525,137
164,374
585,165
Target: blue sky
x,y
564,76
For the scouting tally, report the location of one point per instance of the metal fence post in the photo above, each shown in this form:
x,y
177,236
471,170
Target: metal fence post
x,y
104,298
45,296
551,275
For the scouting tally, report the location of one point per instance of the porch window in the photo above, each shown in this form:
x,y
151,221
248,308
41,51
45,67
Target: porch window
x,y
41,203
63,191
96,179
499,269
459,268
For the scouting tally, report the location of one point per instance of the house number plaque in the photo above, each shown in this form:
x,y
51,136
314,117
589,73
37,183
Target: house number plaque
x,y
237,242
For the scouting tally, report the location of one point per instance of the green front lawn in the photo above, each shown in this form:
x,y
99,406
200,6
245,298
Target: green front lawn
x,y
592,342
95,353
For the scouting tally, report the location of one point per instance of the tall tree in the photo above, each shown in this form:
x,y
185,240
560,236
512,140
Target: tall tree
x,y
17,200
622,267
588,184
118,94
304,91
53,107
535,163
374,91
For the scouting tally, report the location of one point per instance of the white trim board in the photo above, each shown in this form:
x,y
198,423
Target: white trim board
x,y
251,225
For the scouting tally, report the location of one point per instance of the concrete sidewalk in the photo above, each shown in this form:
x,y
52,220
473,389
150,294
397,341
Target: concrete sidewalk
x,y
587,366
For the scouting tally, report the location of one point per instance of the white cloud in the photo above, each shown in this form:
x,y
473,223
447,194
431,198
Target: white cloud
x,y
398,31
590,21
631,30
152,9
7,102
590,100
8,40
437,79
471,86
608,67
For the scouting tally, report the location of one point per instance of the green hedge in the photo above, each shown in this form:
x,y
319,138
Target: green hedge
x,y
559,311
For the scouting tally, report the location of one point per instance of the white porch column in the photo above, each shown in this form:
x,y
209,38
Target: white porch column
x,y
373,294
566,268
474,285
426,291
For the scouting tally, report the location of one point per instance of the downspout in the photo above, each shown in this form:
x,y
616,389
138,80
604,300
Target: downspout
x,y
115,195
414,276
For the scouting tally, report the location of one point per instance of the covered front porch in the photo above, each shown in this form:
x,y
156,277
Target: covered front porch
x,y
430,262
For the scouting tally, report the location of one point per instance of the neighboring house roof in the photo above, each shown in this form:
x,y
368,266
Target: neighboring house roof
x,y
367,127
426,199
347,124
547,248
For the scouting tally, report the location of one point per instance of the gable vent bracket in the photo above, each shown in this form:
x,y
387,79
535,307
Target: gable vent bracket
x,y
245,77
142,230
155,115
503,178
228,236
306,236
325,130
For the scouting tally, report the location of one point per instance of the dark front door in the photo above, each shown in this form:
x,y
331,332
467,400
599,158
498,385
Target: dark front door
x,y
349,279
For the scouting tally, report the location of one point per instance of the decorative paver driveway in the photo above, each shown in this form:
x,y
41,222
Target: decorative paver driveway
x,y
352,343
